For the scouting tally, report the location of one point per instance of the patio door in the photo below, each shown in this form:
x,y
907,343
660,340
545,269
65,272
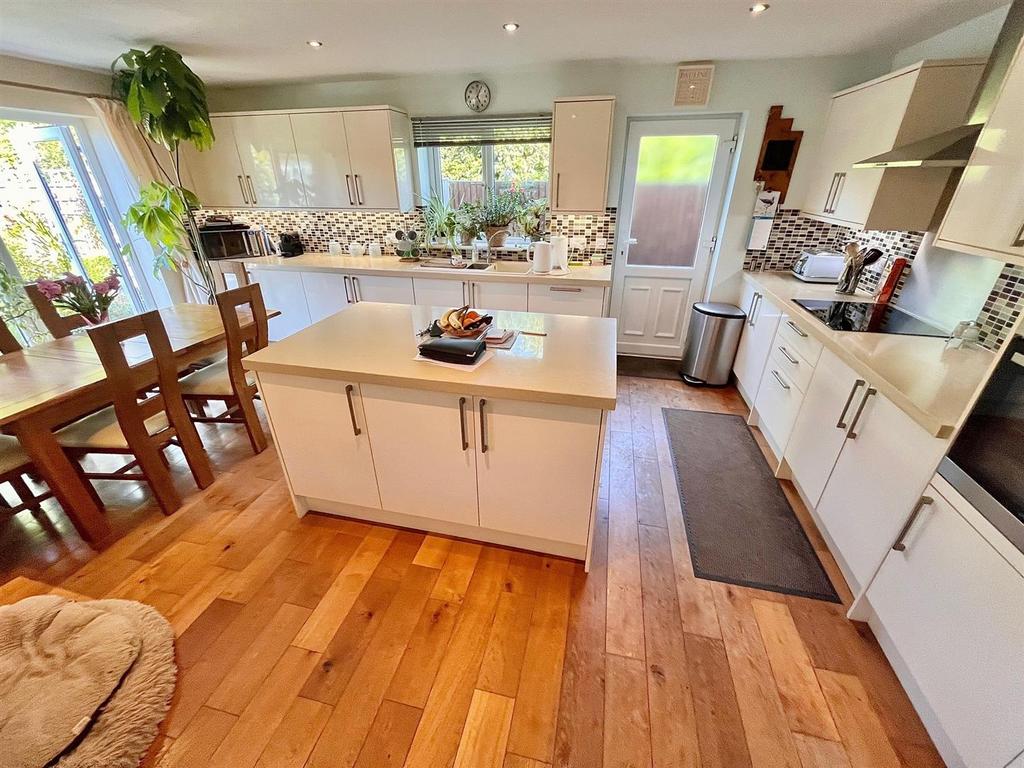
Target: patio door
x,y
676,173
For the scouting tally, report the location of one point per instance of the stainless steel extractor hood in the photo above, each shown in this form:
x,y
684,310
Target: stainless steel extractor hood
x,y
952,149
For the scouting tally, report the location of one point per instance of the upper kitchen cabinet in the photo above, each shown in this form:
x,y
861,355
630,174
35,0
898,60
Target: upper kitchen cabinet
x,y
580,150
323,159
269,161
875,117
986,215
217,176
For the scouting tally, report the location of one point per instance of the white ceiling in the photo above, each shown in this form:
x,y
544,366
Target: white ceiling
x,y
258,41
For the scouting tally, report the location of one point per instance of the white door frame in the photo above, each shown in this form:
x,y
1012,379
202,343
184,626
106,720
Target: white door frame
x,y
693,279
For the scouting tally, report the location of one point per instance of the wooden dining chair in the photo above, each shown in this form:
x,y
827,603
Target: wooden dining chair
x,y
8,341
14,465
57,324
226,381
142,421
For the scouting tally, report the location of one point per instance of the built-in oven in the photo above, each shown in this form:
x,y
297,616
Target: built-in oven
x,y
986,461
232,241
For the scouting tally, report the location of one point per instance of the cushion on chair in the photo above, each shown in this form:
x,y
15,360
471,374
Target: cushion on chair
x,y
101,430
11,455
211,381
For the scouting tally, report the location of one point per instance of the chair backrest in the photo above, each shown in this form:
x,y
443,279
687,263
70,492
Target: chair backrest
x,y
58,325
128,381
242,339
8,342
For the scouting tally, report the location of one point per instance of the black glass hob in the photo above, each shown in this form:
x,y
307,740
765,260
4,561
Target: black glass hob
x,y
868,317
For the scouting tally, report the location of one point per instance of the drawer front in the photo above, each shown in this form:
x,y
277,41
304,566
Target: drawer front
x,y
778,402
798,340
567,299
785,356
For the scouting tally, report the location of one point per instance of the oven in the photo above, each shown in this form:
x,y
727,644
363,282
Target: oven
x,y
986,461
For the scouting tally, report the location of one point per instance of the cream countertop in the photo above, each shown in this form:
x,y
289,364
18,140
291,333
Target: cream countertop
x,y
930,383
391,266
376,343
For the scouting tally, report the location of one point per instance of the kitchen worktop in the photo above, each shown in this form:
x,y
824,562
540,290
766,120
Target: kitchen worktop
x,y
932,384
574,364
391,266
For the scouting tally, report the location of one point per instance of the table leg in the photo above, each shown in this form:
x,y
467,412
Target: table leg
x,y
52,463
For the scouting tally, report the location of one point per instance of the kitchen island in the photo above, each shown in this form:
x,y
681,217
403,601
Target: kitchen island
x,y
507,452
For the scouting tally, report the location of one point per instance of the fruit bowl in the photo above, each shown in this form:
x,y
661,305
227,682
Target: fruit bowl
x,y
464,323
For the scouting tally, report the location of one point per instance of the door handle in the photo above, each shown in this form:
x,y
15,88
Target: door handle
x,y
564,289
785,354
558,189
252,189
796,329
355,289
754,304
853,391
839,191
348,296
241,186
779,379
1019,240
465,292
852,434
359,191
899,545
348,185
352,410
462,423
828,197
483,427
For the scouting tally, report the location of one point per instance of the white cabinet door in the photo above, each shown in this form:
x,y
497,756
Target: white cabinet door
x,y
217,175
580,143
842,122
320,433
820,429
954,609
372,158
284,292
267,151
567,300
537,465
494,296
388,290
325,294
777,403
323,159
882,468
986,215
756,342
435,292
424,450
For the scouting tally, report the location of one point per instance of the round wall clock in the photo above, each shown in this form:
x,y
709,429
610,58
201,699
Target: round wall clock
x,y
478,95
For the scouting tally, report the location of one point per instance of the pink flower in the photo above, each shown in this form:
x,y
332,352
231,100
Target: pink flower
x,y
51,289
113,281
102,288
71,279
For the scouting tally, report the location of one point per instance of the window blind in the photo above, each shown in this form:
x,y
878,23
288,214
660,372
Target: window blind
x,y
462,131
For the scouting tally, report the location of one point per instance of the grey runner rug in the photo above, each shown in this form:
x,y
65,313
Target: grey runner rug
x,y
739,524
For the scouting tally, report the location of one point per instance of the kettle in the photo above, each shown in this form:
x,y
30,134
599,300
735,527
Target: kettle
x,y
542,259
560,252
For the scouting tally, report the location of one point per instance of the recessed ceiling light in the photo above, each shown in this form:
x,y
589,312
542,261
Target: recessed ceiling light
x,y
757,8
510,26
315,43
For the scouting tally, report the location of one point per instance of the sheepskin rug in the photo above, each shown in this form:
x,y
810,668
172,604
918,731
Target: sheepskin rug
x,y
82,684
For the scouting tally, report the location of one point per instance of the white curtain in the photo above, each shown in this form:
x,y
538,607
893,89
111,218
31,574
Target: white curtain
x,y
145,162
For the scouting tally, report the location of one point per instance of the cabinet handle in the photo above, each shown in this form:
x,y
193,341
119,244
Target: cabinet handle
x,y
348,296
355,289
839,192
241,186
779,379
828,197
852,434
754,304
252,189
462,423
352,410
558,188
924,501
359,191
841,424
564,289
348,185
1019,240
483,427
796,329
785,354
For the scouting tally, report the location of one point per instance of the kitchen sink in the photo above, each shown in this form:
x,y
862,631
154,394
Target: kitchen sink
x,y
476,266
513,267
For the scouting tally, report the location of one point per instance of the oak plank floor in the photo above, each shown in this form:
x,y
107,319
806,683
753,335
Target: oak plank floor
x,y
327,642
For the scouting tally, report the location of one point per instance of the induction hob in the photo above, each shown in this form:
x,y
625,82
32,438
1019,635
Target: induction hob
x,y
868,317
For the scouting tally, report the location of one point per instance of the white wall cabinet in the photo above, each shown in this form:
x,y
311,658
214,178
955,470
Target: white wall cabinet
x,y
986,215
322,150
270,163
756,342
567,299
387,290
283,291
536,449
320,425
899,108
953,608
217,175
580,153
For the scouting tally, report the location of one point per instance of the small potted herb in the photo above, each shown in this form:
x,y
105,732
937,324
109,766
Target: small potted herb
x,y
469,222
499,210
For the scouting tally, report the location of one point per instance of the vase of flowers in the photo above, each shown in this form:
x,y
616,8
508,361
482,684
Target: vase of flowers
x,y
90,300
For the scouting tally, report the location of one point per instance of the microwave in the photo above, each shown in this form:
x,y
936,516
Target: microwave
x,y
233,241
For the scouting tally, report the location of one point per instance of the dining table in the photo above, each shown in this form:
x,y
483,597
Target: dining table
x,y
50,384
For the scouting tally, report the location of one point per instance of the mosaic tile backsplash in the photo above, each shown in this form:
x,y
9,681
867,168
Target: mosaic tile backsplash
x,y
318,227
1003,306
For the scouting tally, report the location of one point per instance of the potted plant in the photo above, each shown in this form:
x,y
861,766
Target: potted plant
x,y
90,300
167,102
441,223
469,222
499,210
532,219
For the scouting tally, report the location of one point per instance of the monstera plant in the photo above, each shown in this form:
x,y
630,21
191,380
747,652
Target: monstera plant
x,y
167,102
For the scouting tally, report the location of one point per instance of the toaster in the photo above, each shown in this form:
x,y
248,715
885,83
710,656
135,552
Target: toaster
x,y
824,267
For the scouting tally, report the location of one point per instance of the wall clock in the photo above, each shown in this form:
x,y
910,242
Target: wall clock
x,y
478,95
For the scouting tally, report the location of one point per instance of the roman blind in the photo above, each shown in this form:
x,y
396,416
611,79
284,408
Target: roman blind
x,y
462,131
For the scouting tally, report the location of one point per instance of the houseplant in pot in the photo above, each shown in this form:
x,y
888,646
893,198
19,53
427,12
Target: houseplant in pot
x,y
532,219
167,102
499,210
469,222
441,224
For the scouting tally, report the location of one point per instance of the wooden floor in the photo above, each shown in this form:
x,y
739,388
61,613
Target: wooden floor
x,y
328,642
